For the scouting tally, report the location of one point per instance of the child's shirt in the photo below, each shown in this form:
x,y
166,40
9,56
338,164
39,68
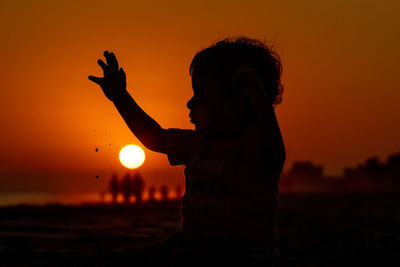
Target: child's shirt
x,y
231,186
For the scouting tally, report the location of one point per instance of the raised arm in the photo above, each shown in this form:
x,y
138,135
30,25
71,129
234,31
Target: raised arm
x,y
147,130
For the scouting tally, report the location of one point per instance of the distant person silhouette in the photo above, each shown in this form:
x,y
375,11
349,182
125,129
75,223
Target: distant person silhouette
x,y
137,187
114,187
152,191
178,192
126,187
233,159
164,192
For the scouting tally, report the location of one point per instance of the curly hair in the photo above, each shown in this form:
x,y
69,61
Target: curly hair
x,y
223,58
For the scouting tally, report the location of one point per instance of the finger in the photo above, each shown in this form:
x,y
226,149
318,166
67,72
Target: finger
x,y
114,61
102,65
122,73
97,80
108,58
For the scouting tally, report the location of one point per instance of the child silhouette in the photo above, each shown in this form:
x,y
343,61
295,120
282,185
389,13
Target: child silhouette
x,y
233,158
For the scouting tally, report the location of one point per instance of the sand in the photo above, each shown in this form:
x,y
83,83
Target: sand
x,y
316,230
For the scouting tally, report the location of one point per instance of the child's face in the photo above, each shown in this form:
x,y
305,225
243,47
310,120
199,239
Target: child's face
x,y
206,105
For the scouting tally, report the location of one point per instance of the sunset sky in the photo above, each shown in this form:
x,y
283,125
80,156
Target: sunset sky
x,y
341,100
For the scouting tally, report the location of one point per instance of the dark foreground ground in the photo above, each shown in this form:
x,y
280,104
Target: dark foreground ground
x,y
316,230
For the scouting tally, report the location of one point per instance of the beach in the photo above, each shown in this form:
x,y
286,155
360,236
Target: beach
x,y
315,230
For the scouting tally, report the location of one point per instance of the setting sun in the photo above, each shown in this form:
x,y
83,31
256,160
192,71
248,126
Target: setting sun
x,y
131,156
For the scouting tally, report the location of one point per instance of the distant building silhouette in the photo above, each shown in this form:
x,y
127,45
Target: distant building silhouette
x,y
375,175
393,166
372,175
306,170
373,168
304,176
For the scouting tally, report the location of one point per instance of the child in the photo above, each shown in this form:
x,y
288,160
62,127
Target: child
x,y
232,159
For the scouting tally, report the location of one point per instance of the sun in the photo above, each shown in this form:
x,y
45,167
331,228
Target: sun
x,y
132,156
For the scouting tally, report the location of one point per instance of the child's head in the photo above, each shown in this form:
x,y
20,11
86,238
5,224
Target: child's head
x,y
213,71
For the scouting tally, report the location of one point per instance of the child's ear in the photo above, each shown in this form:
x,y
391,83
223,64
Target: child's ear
x,y
237,105
242,79
236,102
239,81
247,82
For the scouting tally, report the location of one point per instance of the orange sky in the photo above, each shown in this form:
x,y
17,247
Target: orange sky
x,y
340,60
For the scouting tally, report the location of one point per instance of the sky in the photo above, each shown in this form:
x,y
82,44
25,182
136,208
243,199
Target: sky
x,y
340,75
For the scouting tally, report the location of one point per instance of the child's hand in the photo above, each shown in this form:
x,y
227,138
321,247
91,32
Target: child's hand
x,y
114,81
